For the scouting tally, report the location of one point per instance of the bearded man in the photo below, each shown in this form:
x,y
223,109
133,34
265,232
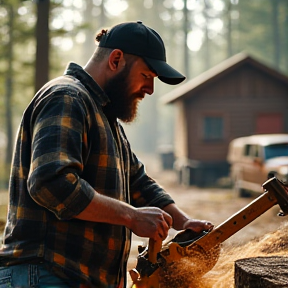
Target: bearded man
x,y
77,191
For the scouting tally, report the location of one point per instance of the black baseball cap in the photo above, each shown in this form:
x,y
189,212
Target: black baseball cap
x,y
137,39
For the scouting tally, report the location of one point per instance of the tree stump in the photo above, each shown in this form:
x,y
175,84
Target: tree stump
x,y
261,272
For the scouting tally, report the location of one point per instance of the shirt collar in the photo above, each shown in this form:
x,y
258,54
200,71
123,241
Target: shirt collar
x,y
78,72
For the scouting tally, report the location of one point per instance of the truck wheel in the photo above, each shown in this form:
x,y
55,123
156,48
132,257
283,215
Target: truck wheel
x,y
239,191
243,193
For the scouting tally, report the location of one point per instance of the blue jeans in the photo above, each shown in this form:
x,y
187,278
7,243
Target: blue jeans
x,y
31,275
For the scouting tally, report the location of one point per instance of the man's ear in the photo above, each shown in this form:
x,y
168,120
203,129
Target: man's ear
x,y
116,60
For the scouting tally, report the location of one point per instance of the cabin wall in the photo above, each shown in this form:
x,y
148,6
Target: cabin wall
x,y
181,134
239,98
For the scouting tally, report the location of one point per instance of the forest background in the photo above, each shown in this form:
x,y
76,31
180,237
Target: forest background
x,y
38,39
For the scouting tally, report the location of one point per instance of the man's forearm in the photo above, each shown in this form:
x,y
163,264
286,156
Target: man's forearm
x,y
107,210
149,222
182,221
178,216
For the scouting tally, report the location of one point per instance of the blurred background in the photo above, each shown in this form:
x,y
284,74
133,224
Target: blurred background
x,y
38,39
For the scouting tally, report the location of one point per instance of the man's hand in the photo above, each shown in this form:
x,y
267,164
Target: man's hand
x,y
182,221
151,222
198,225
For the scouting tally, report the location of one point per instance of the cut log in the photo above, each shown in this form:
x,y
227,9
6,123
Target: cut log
x,y
261,272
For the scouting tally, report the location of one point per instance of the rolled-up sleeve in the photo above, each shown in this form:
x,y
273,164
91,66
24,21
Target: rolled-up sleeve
x,y
59,132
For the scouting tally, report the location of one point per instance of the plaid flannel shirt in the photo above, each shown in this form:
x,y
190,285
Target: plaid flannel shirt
x,y
65,151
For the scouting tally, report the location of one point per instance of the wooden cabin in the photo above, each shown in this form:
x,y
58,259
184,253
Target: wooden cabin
x,y
239,97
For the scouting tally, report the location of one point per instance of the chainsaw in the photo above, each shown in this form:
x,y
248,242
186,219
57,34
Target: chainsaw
x,y
205,246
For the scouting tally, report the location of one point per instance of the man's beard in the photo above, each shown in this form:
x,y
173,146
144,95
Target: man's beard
x,y
122,105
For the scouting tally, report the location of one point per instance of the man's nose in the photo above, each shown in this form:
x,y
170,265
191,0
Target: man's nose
x,y
149,86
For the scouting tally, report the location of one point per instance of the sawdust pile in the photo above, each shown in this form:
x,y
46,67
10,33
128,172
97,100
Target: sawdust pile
x,y
179,274
182,274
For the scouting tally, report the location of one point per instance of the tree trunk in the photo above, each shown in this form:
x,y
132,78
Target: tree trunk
x,y
261,272
275,27
285,46
42,44
229,31
186,29
8,98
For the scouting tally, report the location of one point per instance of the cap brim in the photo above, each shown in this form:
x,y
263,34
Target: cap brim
x,y
165,72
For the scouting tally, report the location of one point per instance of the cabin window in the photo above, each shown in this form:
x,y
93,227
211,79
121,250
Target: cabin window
x,y
213,128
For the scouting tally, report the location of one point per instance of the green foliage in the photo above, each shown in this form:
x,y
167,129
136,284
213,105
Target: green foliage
x,y
16,34
257,29
73,25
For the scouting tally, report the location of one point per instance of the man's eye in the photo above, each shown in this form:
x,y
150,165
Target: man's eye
x,y
145,75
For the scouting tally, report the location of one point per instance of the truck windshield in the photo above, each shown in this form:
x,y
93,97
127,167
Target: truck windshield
x,y
276,150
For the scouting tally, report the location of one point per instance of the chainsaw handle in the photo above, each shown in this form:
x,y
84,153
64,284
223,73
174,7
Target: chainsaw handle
x,y
280,191
154,247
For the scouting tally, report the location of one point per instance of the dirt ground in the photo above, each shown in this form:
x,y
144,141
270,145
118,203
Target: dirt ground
x,y
217,205
267,235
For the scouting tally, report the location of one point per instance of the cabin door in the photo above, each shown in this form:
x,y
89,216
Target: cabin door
x,y
269,124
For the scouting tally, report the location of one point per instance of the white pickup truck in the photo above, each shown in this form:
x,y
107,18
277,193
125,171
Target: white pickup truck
x,y
252,158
